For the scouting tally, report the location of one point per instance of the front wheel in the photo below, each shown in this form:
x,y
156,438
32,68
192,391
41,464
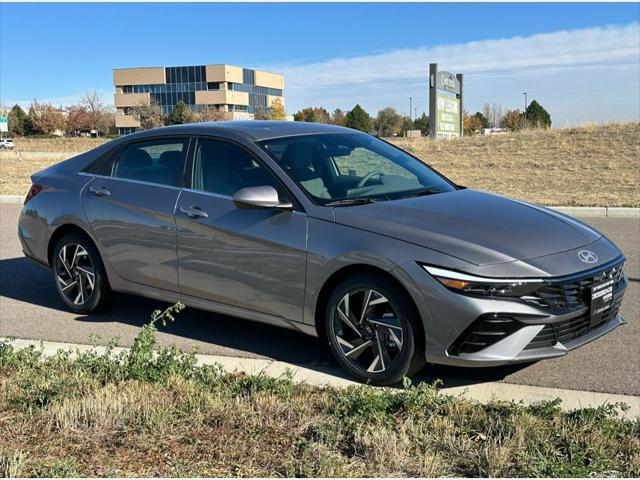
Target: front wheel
x,y
79,274
371,330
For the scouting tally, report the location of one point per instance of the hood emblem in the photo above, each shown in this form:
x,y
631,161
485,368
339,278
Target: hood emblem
x,y
587,256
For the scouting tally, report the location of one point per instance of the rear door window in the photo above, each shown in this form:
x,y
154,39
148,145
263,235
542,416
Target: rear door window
x,y
155,161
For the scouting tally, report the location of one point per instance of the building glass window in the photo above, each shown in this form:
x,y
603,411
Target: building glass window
x,y
183,82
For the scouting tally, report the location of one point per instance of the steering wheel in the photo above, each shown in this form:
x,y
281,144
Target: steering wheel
x,y
369,176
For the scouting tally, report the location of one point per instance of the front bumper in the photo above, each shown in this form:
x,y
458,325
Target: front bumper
x,y
472,331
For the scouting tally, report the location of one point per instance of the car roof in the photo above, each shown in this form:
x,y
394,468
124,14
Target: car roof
x,y
255,129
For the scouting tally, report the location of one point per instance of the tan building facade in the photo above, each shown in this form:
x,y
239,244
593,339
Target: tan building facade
x,y
238,92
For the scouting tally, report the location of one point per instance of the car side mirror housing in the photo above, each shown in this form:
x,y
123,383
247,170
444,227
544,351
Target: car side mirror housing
x,y
264,196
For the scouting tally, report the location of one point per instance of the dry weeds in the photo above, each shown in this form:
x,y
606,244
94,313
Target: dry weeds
x,y
587,166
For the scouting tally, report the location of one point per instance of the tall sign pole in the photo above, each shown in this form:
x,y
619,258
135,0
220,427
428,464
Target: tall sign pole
x,y
445,103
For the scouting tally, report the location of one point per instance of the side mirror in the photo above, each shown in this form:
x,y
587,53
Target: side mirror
x,y
259,197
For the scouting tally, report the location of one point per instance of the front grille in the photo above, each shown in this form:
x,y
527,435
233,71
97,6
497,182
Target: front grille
x,y
568,330
565,296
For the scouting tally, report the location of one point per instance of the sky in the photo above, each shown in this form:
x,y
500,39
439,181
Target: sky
x,y
581,61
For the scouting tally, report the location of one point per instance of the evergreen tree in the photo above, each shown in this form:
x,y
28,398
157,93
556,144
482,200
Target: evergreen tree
x,y
536,116
359,119
180,114
19,123
422,123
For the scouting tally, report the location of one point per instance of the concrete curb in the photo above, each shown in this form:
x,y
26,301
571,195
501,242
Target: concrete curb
x,y
481,392
600,212
585,212
12,199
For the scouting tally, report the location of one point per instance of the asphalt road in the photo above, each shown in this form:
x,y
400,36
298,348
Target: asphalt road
x,y
30,309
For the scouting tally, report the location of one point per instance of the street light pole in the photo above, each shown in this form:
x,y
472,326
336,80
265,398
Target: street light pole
x,y
410,107
526,104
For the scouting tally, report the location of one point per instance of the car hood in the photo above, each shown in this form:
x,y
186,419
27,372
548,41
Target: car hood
x,y
477,227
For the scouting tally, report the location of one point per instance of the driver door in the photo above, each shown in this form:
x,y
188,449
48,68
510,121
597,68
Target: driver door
x,y
254,259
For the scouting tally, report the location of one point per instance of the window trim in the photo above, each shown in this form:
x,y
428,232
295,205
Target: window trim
x,y
190,165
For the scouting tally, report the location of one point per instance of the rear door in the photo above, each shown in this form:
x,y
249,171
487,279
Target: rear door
x,y
254,259
130,207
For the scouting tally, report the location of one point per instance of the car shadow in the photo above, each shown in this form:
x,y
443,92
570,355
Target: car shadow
x,y
29,282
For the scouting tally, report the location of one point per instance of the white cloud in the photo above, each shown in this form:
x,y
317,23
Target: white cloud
x,y
551,66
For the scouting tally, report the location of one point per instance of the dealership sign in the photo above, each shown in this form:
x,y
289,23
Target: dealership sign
x,y
4,125
445,103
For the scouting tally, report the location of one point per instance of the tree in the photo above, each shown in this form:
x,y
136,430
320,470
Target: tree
x,y
19,123
180,114
312,114
77,120
45,118
149,116
482,120
536,116
98,116
472,124
276,110
210,114
338,118
511,120
359,119
422,123
407,124
388,122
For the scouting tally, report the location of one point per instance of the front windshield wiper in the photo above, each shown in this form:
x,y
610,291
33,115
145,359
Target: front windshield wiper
x,y
420,193
350,201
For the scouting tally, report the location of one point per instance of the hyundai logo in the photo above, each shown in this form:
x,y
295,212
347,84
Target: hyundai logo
x,y
587,256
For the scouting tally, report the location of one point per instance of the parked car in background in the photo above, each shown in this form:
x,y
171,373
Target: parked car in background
x,y
328,231
7,144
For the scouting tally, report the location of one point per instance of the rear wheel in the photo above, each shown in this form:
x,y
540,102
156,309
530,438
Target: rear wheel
x,y
371,330
79,274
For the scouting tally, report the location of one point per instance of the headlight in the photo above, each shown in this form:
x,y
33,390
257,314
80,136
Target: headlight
x,y
493,287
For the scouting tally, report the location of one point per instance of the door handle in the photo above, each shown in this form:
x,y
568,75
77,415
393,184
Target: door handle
x,y
194,212
100,191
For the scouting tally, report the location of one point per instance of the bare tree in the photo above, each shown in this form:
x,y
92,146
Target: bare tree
x,y
210,114
99,116
497,115
487,111
150,116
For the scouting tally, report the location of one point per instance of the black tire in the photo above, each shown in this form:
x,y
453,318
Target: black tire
x,y
407,350
98,296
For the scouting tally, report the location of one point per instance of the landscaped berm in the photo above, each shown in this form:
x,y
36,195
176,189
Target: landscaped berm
x,y
140,414
595,165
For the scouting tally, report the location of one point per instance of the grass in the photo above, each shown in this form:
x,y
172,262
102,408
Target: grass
x,y
145,414
592,165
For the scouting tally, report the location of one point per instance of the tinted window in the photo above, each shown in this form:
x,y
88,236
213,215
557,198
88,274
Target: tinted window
x,y
155,161
224,168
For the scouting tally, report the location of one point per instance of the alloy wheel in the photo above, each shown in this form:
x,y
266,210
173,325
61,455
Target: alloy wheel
x,y
367,330
75,273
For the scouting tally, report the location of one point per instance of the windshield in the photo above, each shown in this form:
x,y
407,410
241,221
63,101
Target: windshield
x,y
341,166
